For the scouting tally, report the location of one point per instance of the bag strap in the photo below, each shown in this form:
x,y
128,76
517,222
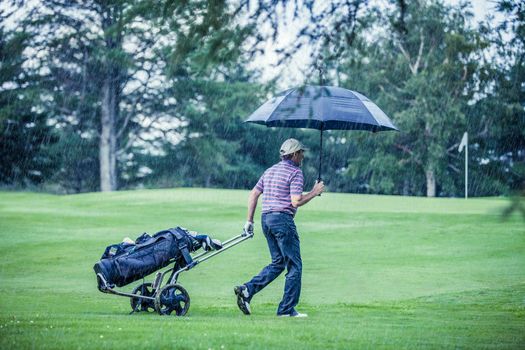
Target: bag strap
x,y
183,246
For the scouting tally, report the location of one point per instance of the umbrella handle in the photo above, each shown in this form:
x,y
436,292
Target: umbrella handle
x,y
320,156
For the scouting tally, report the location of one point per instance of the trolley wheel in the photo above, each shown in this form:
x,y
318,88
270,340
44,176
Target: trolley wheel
x,y
172,298
145,304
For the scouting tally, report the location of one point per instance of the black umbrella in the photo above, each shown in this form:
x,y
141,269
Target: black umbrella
x,y
322,108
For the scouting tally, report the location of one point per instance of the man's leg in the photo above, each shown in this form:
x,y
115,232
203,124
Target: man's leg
x,y
273,270
268,274
290,247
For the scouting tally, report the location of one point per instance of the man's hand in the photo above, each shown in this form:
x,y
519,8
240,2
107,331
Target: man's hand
x,y
318,188
248,228
300,200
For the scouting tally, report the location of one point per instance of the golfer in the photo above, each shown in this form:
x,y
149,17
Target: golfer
x,y
282,190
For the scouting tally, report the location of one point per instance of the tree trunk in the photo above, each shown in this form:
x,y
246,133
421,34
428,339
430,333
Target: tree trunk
x,y
108,139
110,101
406,187
431,183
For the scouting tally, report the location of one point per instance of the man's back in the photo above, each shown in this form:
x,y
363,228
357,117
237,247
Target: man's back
x,y
278,184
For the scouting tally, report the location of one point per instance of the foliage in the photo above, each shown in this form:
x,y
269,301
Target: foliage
x,y
24,134
169,87
108,69
426,77
75,160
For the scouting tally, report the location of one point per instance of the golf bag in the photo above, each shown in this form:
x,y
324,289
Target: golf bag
x,y
124,263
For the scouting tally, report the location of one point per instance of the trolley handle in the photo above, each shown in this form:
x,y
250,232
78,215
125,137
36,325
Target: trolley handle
x,y
209,254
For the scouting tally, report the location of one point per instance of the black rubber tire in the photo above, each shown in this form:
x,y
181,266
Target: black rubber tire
x,y
173,297
145,304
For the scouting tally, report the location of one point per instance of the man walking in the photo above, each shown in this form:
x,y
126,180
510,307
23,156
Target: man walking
x,y
282,190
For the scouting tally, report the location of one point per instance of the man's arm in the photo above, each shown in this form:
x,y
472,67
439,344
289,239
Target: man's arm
x,y
252,204
301,200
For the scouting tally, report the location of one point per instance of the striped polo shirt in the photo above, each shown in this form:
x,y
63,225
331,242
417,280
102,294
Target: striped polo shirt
x,y
278,184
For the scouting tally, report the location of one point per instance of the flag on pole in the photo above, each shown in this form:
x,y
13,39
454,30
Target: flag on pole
x,y
463,143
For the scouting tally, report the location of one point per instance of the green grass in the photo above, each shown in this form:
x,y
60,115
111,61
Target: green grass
x,y
380,272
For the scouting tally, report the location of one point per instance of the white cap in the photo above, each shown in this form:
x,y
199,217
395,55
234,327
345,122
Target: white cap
x,y
291,146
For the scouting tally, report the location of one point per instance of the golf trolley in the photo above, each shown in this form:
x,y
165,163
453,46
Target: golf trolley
x,y
171,297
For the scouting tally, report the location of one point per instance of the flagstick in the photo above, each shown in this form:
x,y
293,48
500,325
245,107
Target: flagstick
x,y
466,167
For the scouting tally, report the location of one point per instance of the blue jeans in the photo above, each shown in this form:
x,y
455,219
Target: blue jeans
x,y
283,242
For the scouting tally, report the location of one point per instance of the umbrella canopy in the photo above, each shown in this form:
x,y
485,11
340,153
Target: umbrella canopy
x,y
322,108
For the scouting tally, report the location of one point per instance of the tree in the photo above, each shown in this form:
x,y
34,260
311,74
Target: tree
x,y
106,66
85,70
424,75
216,149
24,134
508,95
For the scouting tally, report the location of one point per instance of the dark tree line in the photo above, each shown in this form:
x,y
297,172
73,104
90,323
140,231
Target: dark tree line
x,y
105,95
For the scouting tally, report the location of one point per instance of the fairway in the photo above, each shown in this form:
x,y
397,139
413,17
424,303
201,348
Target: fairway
x,y
379,272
